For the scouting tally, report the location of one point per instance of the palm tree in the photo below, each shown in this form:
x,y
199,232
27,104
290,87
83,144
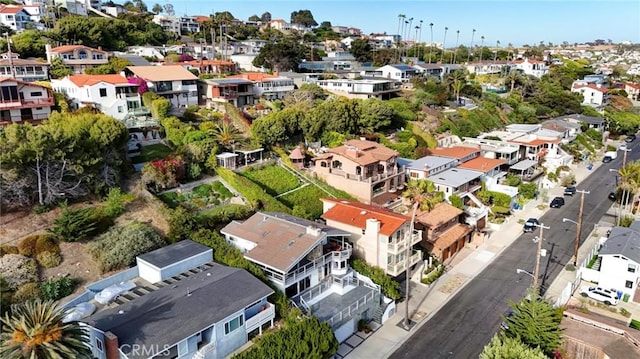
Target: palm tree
x,y
513,77
481,47
455,50
444,47
431,43
401,17
629,182
473,33
226,135
423,192
35,330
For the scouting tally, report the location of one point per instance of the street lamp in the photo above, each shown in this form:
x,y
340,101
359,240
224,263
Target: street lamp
x,y
522,271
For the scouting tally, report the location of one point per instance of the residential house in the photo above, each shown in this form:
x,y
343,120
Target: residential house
x,y
399,72
215,67
21,69
632,90
309,262
365,169
177,24
176,302
22,101
174,83
532,67
15,17
597,123
363,89
112,94
77,57
491,169
238,92
271,87
619,260
593,94
460,154
490,67
427,166
509,153
595,79
379,236
569,129
443,234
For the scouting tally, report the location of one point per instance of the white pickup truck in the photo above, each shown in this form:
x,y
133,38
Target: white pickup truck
x,y
609,156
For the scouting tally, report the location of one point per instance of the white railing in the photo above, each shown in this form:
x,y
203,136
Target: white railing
x,y
313,292
400,245
261,317
202,353
302,272
351,310
397,268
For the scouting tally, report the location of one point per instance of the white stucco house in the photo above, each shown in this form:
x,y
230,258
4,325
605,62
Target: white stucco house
x,y
620,260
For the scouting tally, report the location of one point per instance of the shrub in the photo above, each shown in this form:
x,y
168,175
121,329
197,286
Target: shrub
x,y
49,259
456,201
181,224
528,190
47,243
27,292
75,224
27,246
389,287
223,214
119,247
434,275
7,249
635,324
18,270
116,202
203,190
568,180
56,289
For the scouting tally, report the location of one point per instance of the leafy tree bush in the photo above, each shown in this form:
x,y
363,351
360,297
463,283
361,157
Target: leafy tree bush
x,y
306,338
119,247
537,324
27,292
504,347
160,108
17,270
499,199
223,214
56,289
181,224
8,249
513,180
389,287
116,202
75,224
568,180
162,174
49,259
47,243
528,190
27,246
456,201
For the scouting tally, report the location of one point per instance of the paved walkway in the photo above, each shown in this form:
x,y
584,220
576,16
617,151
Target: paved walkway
x,y
464,267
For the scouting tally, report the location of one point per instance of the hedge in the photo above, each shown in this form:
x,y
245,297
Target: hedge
x,y
56,289
389,287
252,192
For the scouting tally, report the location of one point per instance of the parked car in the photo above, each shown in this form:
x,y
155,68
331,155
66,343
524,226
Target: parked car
x,y
504,324
606,296
570,191
623,147
612,196
630,138
606,159
530,225
557,202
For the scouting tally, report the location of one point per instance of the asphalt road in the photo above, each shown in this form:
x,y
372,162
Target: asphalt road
x,y
463,326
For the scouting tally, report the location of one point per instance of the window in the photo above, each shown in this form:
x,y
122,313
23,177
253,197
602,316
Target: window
x,y
120,110
99,344
631,268
36,94
628,284
233,324
103,92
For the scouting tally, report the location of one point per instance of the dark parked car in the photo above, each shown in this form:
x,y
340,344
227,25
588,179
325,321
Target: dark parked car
x,y
606,159
570,191
630,138
530,225
557,202
612,196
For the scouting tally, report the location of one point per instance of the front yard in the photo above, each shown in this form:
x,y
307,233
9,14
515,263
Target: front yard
x,y
203,196
151,153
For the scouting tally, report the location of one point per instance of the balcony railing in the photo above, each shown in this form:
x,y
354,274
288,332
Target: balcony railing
x,y
260,318
352,310
308,297
372,178
304,271
401,244
397,268
139,111
27,103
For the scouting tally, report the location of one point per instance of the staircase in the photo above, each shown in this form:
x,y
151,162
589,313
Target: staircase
x,y
377,315
596,265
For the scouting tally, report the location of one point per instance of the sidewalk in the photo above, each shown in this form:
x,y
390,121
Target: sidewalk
x,y
465,266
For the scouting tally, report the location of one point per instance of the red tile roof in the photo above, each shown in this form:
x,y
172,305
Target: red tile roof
x,y
593,87
356,214
67,48
363,152
632,85
10,9
253,76
482,164
90,80
537,142
457,152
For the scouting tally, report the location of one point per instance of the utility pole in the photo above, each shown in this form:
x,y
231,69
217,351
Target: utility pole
x,y
579,231
624,157
13,74
536,273
407,322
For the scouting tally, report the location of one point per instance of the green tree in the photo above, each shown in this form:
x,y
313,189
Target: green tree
x,y
423,192
281,56
374,115
254,17
504,347
303,17
227,135
537,324
58,69
361,50
35,330
29,43
157,8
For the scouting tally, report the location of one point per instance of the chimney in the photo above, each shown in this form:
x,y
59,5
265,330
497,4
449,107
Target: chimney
x,y
111,345
99,48
48,51
313,230
373,226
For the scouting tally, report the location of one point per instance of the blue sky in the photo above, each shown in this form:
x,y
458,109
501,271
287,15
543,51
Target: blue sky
x,y
516,21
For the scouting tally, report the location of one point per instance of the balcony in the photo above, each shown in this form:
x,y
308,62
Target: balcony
x,y
139,111
41,102
372,178
125,95
267,315
397,268
401,245
305,271
85,61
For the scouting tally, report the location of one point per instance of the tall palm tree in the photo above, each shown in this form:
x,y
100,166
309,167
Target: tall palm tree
x,y
401,18
473,33
431,43
457,80
423,192
629,182
512,78
420,39
455,49
481,47
35,330
444,47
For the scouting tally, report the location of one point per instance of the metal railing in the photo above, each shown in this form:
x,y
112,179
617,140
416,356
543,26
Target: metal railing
x,y
304,271
400,245
351,310
261,317
396,268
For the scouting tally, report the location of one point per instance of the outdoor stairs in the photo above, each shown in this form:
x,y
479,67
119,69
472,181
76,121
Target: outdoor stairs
x,y
377,315
596,265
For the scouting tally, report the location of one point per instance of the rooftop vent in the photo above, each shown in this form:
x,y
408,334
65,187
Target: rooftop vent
x,y
363,212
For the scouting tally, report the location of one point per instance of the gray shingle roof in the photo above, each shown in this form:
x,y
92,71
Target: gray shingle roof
x,y
623,241
174,253
168,315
